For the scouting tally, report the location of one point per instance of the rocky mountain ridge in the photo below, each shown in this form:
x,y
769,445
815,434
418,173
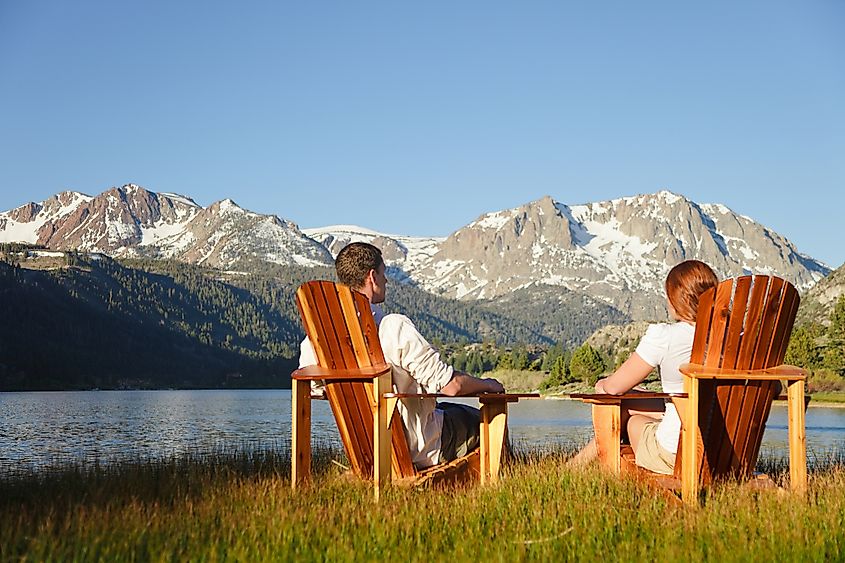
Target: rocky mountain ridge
x,y
818,303
617,252
614,252
131,221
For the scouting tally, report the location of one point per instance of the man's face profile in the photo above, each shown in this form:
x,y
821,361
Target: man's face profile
x,y
379,281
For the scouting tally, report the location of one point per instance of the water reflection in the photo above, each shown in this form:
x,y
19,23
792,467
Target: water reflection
x,y
44,429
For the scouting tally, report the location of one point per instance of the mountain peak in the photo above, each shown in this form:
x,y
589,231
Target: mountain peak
x,y
133,221
617,251
225,205
179,198
670,196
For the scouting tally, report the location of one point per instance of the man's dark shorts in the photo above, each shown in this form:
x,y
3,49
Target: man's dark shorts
x,y
461,430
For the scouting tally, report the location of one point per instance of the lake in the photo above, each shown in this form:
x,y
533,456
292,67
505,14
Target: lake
x,y
44,429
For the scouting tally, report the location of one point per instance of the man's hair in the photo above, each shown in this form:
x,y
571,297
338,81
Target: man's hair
x,y
355,261
685,284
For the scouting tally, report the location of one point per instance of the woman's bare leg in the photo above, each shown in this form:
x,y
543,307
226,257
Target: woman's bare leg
x,y
631,408
587,454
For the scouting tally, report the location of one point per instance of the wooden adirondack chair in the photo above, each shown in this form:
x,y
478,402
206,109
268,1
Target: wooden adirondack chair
x,y
734,374
340,326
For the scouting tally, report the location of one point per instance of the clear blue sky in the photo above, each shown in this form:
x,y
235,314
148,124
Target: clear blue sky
x,y
417,117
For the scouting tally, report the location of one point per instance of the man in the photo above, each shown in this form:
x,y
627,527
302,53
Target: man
x,y
436,433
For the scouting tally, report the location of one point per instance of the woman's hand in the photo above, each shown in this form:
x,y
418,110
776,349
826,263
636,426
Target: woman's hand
x,y
600,386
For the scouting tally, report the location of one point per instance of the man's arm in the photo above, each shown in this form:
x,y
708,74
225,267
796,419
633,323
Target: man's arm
x,y
307,357
406,348
465,384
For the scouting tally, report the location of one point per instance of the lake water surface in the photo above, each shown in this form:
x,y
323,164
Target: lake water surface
x,y
39,430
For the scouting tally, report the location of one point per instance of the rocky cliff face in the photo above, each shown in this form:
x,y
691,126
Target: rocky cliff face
x,y
132,221
818,303
614,252
617,251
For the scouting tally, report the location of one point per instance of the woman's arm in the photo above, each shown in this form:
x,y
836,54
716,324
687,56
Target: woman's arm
x,y
629,374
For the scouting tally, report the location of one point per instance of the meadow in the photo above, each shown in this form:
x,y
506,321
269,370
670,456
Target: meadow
x,y
238,506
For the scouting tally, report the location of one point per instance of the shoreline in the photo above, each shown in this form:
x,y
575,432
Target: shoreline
x,y
813,402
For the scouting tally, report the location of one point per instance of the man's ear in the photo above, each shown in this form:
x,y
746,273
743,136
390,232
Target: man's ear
x,y
371,278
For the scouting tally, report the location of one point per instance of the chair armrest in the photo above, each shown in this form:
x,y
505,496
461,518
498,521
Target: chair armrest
x,y
781,372
311,373
482,397
607,399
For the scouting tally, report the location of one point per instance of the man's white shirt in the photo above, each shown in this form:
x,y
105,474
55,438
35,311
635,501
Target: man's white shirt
x,y
417,368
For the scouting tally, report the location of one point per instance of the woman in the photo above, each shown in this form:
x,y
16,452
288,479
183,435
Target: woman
x,y
653,425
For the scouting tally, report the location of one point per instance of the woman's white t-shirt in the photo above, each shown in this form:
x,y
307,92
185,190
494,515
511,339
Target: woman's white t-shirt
x,y
667,346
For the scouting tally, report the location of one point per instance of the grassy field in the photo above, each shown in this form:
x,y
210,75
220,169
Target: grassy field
x,y
829,397
239,507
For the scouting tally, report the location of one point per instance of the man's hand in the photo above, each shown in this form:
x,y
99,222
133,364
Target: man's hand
x,y
494,385
465,384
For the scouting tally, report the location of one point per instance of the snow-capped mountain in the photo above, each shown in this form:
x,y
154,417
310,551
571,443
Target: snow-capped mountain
x,y
133,222
617,251
401,253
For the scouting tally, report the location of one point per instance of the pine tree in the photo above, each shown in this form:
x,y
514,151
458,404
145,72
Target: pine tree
x,y
586,364
519,358
834,355
551,356
475,365
505,361
803,350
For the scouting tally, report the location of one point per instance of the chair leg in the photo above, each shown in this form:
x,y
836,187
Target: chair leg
x,y
608,430
494,424
300,433
691,455
797,437
381,434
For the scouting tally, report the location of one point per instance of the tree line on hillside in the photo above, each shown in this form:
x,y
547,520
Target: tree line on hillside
x,y
583,364
821,350
815,347
97,323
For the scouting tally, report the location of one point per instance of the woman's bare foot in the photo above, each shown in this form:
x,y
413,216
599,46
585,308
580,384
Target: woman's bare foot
x,y
587,454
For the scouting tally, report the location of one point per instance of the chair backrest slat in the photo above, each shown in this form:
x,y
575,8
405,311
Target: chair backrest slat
x,y
718,324
783,327
702,327
350,309
742,287
771,308
751,328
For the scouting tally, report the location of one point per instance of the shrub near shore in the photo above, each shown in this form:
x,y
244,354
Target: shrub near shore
x,y
240,506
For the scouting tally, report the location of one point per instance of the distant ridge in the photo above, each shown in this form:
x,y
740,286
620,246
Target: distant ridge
x,y
617,252
131,221
613,252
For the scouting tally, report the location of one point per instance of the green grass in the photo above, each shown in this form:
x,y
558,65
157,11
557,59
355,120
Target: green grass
x,y
239,507
829,397
518,381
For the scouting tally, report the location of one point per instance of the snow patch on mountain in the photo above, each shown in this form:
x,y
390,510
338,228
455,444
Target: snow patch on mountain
x,y
616,251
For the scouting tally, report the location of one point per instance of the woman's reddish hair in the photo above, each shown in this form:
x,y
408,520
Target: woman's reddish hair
x,y
685,284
